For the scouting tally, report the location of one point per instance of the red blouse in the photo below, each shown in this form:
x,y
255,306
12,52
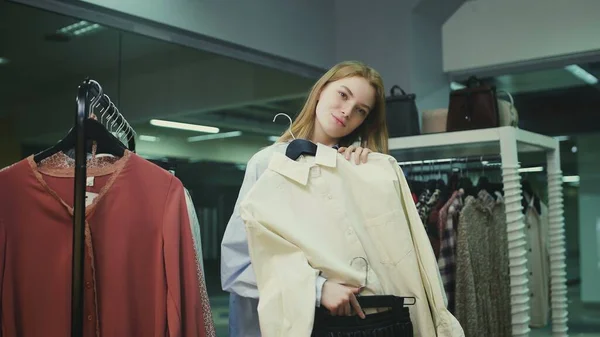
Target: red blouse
x,y
141,274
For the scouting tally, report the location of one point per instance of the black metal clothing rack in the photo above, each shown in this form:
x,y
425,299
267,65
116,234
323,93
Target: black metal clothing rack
x,y
83,107
89,95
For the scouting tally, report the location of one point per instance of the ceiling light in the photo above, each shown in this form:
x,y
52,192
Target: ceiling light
x,y
570,179
273,138
4,60
426,162
531,169
561,138
79,28
456,86
184,126
147,138
582,74
215,136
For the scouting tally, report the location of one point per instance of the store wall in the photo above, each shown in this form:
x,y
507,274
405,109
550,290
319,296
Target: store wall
x,y
231,150
489,33
297,30
173,91
10,149
589,216
404,44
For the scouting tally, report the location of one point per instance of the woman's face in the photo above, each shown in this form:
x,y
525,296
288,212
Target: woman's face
x,y
342,107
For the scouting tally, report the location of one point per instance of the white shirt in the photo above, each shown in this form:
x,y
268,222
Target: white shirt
x,y
237,275
316,215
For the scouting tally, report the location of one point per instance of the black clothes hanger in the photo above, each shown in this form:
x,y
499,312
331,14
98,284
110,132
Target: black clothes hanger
x,y
484,184
431,184
467,185
384,301
298,147
526,186
94,131
453,181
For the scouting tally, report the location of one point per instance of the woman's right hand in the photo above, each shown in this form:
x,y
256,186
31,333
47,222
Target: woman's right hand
x,y
340,299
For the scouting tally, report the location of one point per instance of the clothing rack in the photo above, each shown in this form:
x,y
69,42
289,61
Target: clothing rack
x,y
508,142
89,95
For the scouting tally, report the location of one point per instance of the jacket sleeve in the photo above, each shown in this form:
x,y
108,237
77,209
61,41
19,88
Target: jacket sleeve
x,y
188,309
237,275
446,325
285,279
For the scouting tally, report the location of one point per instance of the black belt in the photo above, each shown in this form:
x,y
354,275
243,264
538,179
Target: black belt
x,y
393,323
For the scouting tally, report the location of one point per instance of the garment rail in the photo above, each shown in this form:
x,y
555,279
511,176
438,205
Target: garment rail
x,y
509,142
89,88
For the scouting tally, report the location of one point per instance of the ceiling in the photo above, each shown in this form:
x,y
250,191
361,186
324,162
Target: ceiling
x,y
543,80
148,78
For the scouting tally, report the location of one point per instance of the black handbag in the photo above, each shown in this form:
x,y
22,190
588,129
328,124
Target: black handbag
x,y
474,107
394,322
401,113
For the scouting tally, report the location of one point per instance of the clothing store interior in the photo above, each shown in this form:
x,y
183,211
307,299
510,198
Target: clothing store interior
x,y
492,116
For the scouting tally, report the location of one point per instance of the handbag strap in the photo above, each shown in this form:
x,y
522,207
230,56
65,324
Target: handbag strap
x,y
512,101
473,81
394,89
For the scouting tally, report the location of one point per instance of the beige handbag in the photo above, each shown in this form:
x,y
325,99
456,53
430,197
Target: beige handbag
x,y
434,121
507,113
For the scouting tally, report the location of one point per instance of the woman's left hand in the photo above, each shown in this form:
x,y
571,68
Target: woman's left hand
x,y
360,153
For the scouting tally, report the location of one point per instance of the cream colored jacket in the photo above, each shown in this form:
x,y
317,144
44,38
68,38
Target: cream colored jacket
x,y
317,215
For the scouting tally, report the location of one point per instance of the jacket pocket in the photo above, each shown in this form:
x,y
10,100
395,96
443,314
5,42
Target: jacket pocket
x,y
391,236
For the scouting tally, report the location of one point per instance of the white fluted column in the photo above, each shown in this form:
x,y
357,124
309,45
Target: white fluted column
x,y
515,227
556,247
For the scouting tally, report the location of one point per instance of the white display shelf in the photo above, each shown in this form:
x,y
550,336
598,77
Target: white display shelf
x,y
508,142
462,144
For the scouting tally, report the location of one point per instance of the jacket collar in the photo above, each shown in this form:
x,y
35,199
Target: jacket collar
x,y
300,170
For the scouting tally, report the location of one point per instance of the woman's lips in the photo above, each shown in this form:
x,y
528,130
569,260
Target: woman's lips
x,y
338,121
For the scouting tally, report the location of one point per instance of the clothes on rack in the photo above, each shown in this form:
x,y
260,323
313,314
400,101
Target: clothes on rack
x,y
195,227
141,270
483,302
447,224
538,261
314,216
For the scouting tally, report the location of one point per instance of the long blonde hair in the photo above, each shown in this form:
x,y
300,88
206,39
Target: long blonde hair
x,y
372,133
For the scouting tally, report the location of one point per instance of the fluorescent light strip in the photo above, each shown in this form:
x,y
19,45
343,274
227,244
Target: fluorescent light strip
x,y
215,136
425,162
147,138
75,26
4,60
273,138
582,74
80,28
87,29
561,138
531,169
184,126
456,86
570,179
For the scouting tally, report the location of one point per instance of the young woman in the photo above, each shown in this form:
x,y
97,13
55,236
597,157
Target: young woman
x,y
345,107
